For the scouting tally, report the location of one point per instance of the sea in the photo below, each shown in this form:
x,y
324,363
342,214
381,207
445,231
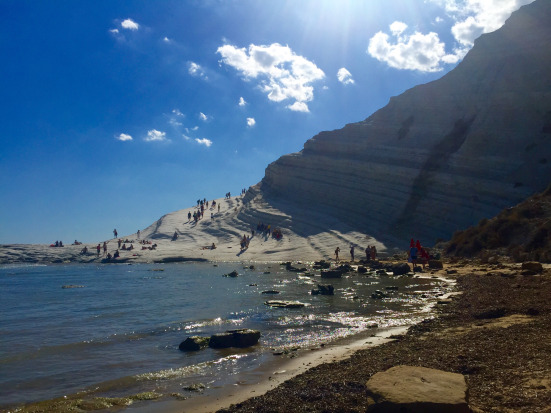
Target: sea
x,y
114,330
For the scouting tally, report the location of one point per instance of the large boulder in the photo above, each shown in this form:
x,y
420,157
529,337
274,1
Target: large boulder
x,y
417,390
194,343
245,337
235,338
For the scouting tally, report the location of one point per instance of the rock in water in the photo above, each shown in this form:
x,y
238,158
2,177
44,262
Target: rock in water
x,y
194,343
235,338
417,390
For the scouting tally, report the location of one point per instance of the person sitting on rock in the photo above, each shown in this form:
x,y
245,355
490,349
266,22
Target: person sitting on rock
x,y
116,255
84,250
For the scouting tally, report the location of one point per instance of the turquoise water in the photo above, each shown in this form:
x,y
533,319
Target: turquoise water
x,y
117,331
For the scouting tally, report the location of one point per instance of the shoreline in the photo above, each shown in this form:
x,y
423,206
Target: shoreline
x,y
270,375
265,377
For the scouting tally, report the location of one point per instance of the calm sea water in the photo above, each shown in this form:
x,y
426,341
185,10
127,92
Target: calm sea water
x,y
118,333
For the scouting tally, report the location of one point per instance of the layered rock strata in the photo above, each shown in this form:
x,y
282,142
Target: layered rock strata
x,y
443,155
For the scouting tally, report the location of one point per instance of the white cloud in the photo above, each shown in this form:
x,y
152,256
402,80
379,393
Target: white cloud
x,y
130,24
114,31
177,112
426,52
344,76
475,17
204,141
423,52
299,107
155,136
251,122
397,28
242,101
281,73
203,117
123,137
166,40
196,70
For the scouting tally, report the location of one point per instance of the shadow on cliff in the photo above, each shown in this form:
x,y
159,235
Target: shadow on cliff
x,y
435,163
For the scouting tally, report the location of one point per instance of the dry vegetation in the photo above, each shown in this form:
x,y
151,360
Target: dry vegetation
x,y
521,232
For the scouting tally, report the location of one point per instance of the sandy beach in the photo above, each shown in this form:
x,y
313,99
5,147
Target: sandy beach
x,y
306,236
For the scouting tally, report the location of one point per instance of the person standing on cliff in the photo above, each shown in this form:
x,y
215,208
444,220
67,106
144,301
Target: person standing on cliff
x,y
115,233
337,254
352,252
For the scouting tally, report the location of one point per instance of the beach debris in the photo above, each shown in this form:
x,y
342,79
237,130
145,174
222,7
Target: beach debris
x,y
417,389
324,289
284,304
194,343
232,274
270,292
235,338
72,286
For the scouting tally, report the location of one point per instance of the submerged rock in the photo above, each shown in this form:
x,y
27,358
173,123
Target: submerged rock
x,y
232,274
284,304
324,289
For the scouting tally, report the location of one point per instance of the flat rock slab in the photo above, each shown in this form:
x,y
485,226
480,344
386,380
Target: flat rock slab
x,y
411,389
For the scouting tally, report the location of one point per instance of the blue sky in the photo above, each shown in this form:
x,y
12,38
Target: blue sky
x,y
117,112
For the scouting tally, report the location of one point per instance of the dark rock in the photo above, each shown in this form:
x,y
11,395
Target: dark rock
x,y
400,269
194,343
245,337
326,289
436,264
232,274
322,265
532,266
331,274
378,294
235,338
362,270
270,292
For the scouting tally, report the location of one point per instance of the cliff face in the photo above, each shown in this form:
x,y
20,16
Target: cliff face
x,y
443,155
